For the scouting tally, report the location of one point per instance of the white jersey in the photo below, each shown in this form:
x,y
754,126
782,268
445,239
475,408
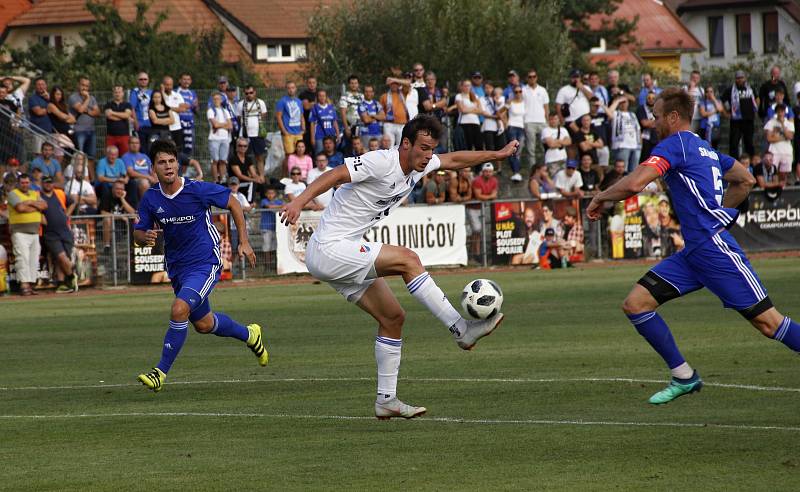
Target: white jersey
x,y
377,186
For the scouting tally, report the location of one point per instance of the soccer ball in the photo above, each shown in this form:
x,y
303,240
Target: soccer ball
x,y
482,298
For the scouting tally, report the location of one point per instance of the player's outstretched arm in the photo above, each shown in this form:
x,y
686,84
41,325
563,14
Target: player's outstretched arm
x,y
337,177
627,186
740,182
241,228
467,158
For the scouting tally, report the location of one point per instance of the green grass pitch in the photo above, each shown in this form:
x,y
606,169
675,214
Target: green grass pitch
x,y
554,400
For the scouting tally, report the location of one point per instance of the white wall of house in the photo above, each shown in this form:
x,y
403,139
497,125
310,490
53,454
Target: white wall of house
x,y
21,37
697,22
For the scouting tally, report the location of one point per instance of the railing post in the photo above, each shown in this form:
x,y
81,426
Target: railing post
x,y
114,248
484,206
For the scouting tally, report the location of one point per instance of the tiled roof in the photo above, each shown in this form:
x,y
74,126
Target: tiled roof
x,y
185,17
10,9
272,19
658,28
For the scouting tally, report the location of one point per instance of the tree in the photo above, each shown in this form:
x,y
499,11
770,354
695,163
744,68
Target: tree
x,y
616,32
452,37
113,50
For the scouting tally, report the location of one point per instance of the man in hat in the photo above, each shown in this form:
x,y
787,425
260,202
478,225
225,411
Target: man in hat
x,y
572,100
436,189
568,181
513,82
58,236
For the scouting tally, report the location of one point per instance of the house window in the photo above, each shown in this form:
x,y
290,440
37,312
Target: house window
x,y
51,41
284,52
44,40
771,39
716,37
743,40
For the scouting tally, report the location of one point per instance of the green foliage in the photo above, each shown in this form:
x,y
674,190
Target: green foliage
x,y
452,37
113,50
616,32
757,68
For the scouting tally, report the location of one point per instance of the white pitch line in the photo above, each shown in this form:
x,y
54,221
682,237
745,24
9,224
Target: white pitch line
x,y
750,387
446,420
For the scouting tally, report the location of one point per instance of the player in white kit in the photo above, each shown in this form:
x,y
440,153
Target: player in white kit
x,y
370,187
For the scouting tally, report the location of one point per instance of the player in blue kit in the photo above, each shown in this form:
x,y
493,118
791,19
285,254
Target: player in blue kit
x,y
182,209
711,257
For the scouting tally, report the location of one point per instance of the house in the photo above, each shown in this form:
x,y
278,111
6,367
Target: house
x,y
9,10
663,41
733,29
268,35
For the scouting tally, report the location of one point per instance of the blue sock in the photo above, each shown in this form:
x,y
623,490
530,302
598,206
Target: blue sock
x,y
173,342
226,327
789,334
653,328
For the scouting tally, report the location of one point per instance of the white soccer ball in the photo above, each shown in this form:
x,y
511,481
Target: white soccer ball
x,y
482,298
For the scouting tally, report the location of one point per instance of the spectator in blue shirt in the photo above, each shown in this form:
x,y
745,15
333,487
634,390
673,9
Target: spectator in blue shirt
x,y
272,203
289,114
513,83
323,121
48,164
648,86
110,169
140,102
329,149
37,107
371,113
139,169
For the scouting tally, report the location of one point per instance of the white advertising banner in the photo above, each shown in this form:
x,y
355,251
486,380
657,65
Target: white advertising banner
x,y
436,233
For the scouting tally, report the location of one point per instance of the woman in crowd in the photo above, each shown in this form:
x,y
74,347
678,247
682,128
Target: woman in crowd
x,y
323,122
626,134
469,107
493,127
300,160
710,109
219,137
540,182
59,114
161,117
243,166
516,128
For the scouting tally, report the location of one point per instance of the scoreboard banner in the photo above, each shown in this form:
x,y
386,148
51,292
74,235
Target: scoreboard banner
x,y
770,224
436,233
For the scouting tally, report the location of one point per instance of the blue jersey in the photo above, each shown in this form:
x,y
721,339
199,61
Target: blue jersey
x,y
371,108
324,118
693,171
190,98
291,110
140,101
190,238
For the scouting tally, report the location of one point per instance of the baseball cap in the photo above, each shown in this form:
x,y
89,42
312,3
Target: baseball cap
x,y
488,166
47,179
575,73
476,74
12,161
441,173
739,73
231,88
549,232
222,79
572,163
233,180
512,72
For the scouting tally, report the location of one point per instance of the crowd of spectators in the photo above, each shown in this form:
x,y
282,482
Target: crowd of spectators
x,y
590,135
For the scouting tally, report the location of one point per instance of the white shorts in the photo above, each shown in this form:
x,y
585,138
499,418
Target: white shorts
x,y
270,242
347,266
783,160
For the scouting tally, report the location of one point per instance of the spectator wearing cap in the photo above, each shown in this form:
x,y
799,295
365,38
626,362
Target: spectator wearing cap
x,y
289,115
58,236
572,100
780,98
513,82
780,132
484,189
321,168
626,134
767,93
648,86
552,250
48,164
742,105
647,121
556,139
271,203
12,168
139,100
25,208
436,189
569,182
537,102
222,88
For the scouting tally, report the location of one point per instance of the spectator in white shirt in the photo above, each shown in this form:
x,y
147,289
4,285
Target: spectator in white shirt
x,y
568,181
321,162
176,104
79,189
556,139
219,136
537,103
626,134
295,187
515,107
574,96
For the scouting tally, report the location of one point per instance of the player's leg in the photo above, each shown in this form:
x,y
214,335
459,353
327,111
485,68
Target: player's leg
x,y
174,339
775,325
668,280
396,260
379,301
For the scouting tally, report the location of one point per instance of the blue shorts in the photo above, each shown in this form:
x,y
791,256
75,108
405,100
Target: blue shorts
x,y
194,286
720,265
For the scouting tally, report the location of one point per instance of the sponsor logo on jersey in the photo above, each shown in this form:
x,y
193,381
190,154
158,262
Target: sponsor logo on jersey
x,y
390,201
185,219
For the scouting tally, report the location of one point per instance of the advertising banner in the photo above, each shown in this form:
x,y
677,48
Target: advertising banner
x,y
436,233
147,262
644,226
770,224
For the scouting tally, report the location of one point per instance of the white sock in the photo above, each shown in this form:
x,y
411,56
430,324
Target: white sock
x,y
387,356
425,290
683,371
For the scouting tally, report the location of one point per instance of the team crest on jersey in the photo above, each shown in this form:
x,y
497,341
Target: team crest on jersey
x,y
364,248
